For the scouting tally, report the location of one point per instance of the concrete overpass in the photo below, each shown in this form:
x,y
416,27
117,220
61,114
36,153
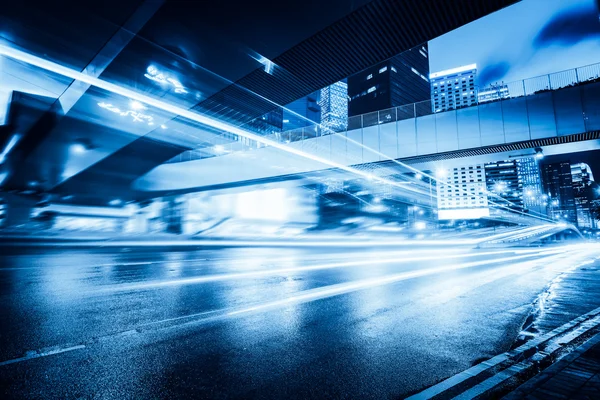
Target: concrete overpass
x,y
221,77
569,115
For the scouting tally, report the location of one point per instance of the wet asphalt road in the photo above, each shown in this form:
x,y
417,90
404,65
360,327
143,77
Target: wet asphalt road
x,y
259,323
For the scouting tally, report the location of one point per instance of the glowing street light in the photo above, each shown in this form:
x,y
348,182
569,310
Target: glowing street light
x,y
441,173
78,148
420,225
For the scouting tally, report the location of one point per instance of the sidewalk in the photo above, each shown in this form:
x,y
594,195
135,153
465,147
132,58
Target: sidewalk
x,y
576,376
565,347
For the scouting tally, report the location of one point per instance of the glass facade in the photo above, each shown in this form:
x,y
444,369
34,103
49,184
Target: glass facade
x,y
454,88
582,178
529,173
334,106
462,189
558,185
504,182
401,80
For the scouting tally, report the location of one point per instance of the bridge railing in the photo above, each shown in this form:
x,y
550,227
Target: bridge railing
x,y
522,88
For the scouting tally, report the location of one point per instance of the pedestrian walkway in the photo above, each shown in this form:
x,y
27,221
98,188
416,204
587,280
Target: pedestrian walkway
x,y
576,376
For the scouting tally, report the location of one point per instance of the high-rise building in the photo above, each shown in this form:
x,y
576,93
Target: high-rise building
x,y
461,193
493,93
503,180
398,81
558,185
582,178
333,102
454,88
534,199
303,112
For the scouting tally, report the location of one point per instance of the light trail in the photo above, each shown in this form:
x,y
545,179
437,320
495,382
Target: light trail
x,y
464,191
170,108
202,119
344,288
306,296
268,272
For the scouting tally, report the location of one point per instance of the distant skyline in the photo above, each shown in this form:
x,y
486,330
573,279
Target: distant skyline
x,y
528,39
591,158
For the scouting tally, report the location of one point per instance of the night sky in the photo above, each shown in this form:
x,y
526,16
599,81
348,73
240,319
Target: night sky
x,y
528,39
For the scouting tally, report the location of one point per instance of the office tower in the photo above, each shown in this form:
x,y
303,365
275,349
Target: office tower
x,y
534,199
333,102
558,184
493,93
398,81
454,88
303,112
582,178
461,193
503,182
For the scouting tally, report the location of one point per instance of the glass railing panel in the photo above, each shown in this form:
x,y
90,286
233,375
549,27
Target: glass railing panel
x,y
588,73
405,112
563,79
423,108
388,115
370,119
515,89
537,85
355,122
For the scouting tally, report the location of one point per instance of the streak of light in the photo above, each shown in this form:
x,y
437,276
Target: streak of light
x,y
255,274
343,288
9,146
202,119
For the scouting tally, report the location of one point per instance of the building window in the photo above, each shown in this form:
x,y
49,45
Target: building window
x,y
370,76
382,69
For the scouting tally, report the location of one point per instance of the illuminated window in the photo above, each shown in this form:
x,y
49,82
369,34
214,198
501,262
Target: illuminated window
x,y
382,69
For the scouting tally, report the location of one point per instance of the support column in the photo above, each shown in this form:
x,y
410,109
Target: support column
x,y
140,219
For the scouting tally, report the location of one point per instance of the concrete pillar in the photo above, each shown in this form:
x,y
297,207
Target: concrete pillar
x,y
173,214
139,220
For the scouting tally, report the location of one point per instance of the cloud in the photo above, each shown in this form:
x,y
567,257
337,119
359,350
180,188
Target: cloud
x,y
494,73
570,27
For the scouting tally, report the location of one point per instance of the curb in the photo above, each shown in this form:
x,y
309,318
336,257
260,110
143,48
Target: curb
x,y
504,371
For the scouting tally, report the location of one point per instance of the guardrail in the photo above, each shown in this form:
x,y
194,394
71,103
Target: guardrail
x,y
521,88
